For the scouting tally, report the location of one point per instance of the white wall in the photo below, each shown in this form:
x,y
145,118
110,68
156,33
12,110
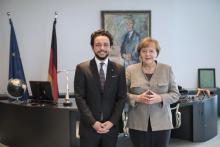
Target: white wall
x,y
188,32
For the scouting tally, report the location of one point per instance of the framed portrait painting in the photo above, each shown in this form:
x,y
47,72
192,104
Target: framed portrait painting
x,y
127,29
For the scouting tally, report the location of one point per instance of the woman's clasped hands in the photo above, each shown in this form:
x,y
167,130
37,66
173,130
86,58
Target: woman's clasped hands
x,y
149,97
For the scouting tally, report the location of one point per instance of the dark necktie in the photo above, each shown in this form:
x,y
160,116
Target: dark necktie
x,y
102,75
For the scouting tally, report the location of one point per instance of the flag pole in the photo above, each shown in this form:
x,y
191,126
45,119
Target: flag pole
x,y
52,72
9,15
56,15
16,70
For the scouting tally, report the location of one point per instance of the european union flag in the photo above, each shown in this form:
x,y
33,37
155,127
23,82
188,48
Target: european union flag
x,y
15,65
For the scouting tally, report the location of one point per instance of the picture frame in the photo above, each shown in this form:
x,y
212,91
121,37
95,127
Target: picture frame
x,y
119,24
206,78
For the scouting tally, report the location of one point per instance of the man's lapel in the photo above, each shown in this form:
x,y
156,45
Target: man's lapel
x,y
110,73
95,72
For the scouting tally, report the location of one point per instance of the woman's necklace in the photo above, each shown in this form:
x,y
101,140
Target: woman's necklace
x,y
149,69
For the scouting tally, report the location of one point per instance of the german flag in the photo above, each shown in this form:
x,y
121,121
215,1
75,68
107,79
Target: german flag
x,y
52,73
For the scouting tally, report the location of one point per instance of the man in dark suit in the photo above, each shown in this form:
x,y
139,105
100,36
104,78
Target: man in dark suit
x,y
100,92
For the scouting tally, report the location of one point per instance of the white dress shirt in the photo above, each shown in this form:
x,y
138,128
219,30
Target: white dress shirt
x,y
104,66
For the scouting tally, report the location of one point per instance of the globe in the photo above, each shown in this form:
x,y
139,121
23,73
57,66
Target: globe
x,y
16,88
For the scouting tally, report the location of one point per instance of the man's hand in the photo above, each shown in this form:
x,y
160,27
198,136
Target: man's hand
x,y
102,128
127,56
107,125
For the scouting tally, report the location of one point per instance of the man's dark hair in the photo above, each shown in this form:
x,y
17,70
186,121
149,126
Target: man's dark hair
x,y
101,32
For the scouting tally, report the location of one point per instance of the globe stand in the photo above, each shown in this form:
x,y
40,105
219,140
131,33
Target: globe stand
x,y
67,101
14,100
17,101
16,89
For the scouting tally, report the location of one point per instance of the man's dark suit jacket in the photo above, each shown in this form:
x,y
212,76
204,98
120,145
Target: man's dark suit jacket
x,y
92,101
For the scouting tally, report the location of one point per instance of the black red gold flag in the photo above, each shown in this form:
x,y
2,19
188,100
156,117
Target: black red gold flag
x,y
52,73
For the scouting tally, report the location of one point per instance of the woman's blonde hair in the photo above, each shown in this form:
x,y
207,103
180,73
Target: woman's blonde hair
x,y
148,42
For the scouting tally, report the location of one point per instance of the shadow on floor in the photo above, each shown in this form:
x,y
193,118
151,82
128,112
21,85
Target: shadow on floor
x,y
124,141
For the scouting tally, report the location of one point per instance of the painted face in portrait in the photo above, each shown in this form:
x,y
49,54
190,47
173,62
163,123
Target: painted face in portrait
x,y
101,47
129,25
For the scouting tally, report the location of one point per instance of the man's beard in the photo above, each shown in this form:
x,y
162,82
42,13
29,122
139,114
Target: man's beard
x,y
101,58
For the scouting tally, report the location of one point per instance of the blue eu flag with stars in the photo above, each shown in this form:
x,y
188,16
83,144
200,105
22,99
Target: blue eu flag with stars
x,y
15,65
